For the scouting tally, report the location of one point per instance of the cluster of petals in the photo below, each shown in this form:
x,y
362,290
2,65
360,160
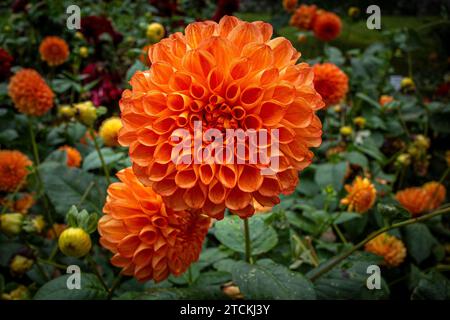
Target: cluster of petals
x,y
389,247
418,200
13,169
73,156
228,75
331,82
54,50
29,92
148,240
303,17
361,195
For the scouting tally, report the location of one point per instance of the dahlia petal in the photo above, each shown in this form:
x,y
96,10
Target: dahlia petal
x,y
237,199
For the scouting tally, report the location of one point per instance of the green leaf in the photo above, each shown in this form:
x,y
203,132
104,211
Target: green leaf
x,y
419,241
213,278
331,174
92,160
66,186
230,232
348,280
8,135
346,216
268,280
357,158
371,149
433,286
210,256
191,293
56,289
137,66
393,213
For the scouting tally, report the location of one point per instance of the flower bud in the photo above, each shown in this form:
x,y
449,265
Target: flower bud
x,y
79,35
20,293
346,131
407,84
403,160
232,291
66,112
20,264
74,242
86,113
11,223
84,52
422,142
353,12
360,121
34,224
155,31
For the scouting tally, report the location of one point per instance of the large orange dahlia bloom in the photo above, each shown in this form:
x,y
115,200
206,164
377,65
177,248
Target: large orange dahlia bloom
x,y
331,82
54,50
389,247
148,240
304,16
361,195
29,92
416,200
327,26
13,169
228,75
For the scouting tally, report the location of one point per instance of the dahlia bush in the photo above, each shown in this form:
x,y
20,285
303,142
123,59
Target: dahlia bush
x,y
219,151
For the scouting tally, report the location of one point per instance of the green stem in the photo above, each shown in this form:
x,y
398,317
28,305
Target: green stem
x,y
115,285
38,175
339,233
97,274
100,155
248,246
86,193
52,263
315,274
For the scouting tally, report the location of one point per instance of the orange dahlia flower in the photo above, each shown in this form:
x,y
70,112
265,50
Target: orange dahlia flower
x,y
303,17
228,75
327,26
437,193
13,169
416,200
361,195
54,51
29,92
389,247
385,99
331,82
289,5
21,205
143,57
148,240
73,156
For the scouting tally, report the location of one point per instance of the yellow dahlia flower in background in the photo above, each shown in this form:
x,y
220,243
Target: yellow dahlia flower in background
x,y
29,92
361,195
228,75
389,247
54,51
73,156
13,170
109,131
148,240
155,31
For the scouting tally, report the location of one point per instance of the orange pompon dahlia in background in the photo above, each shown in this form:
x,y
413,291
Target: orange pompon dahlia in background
x,y
389,247
385,99
331,82
73,156
13,170
226,75
437,193
303,17
416,200
29,92
20,205
327,26
361,195
148,240
54,51
289,5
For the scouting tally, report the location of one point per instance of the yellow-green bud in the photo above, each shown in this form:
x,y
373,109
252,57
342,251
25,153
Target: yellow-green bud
x,y
346,131
11,223
74,242
20,264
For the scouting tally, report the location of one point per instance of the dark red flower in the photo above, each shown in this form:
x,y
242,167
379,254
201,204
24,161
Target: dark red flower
x,y
93,27
225,8
5,64
107,90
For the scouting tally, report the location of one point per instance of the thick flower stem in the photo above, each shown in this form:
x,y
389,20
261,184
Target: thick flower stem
x,y
100,155
315,274
38,175
248,245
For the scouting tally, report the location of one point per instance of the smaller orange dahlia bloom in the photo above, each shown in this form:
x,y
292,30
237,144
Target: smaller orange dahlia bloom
x,y
29,92
331,82
21,205
73,156
437,193
148,240
13,169
416,200
303,17
289,5
54,51
361,195
385,99
327,26
389,247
